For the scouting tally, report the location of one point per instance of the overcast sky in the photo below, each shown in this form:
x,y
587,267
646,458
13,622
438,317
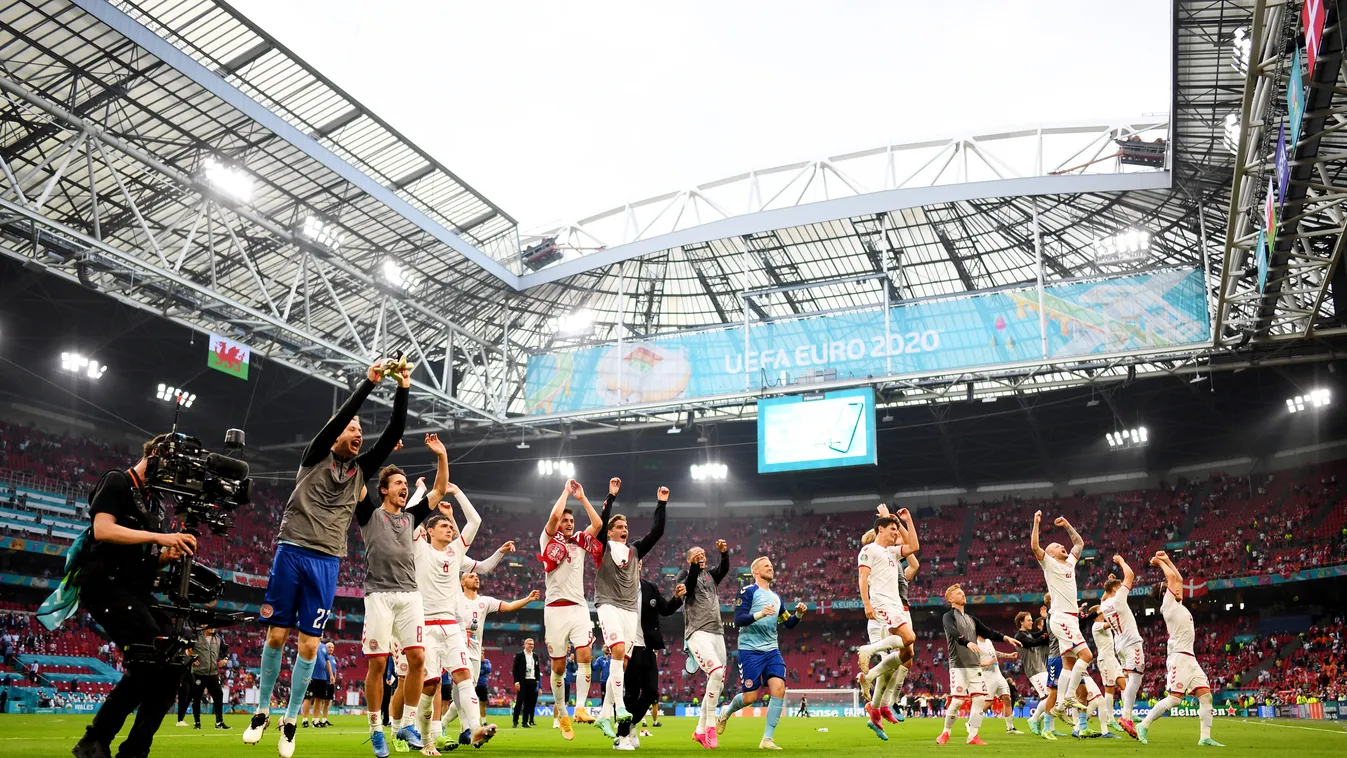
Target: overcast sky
x,y
558,110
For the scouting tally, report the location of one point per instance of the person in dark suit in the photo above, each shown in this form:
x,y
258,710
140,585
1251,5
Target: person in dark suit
x,y
642,667
527,666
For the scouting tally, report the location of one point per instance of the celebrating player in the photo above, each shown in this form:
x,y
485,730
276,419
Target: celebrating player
x,y
312,541
617,594
566,620
875,631
1185,676
472,612
1059,568
393,602
1034,644
879,578
1127,641
703,636
757,614
997,686
965,672
439,562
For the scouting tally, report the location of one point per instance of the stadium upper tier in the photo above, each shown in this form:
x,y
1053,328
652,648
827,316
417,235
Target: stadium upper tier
x,y
1267,524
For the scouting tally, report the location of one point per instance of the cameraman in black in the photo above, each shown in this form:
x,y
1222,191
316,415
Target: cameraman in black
x,y
116,581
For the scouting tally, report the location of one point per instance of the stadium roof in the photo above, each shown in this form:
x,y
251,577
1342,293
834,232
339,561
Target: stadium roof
x,y
112,111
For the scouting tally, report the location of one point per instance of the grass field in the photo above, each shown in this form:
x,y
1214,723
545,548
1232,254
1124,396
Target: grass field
x,y
43,736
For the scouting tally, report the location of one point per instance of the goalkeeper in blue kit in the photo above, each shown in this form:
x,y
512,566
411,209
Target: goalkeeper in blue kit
x,y
758,612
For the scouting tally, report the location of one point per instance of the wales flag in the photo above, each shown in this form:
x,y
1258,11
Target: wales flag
x,y
228,356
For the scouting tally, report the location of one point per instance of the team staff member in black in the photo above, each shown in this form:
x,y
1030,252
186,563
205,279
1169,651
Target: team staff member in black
x,y
527,664
642,690
116,579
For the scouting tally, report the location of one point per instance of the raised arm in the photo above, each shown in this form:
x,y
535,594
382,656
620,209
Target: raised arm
x,y
470,516
1077,542
437,492
1128,577
371,460
554,518
909,531
791,620
1173,579
596,522
515,605
694,572
719,572
913,566
1033,536
484,566
322,443
646,543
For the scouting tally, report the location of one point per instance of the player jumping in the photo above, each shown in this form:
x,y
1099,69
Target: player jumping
x,y
1185,676
703,636
1127,643
1059,568
617,595
312,541
757,613
879,577
965,671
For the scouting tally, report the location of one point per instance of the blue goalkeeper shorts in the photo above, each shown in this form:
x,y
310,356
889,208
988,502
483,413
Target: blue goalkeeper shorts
x,y
300,589
757,666
1054,671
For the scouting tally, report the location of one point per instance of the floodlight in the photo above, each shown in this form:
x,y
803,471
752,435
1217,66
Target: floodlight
x,y
178,395
322,233
1127,438
393,273
78,364
1232,132
1241,51
565,469
710,472
1313,399
1128,246
576,322
229,180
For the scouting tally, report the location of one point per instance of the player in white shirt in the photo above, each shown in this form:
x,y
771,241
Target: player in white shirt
x,y
1185,676
1059,569
439,561
995,682
472,612
1110,671
875,632
879,575
1127,642
566,619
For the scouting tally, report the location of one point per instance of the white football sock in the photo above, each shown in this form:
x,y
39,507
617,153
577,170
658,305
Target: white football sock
x,y
425,707
465,697
952,712
558,693
975,716
1204,715
1160,709
1129,697
582,685
890,642
376,721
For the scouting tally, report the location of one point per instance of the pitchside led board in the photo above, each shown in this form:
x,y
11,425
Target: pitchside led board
x,y
816,430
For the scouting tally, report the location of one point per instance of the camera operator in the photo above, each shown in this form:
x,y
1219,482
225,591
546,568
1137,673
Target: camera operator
x,y
116,584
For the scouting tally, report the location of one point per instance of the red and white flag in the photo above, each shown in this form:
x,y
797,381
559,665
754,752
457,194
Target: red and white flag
x,y
340,619
1194,587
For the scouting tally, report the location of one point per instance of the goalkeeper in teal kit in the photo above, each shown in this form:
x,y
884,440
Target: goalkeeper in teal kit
x,y
757,613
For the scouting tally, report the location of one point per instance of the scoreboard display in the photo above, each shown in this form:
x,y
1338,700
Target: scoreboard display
x,y
816,430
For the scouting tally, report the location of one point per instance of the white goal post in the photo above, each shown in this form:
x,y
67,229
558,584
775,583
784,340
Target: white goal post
x,y
848,700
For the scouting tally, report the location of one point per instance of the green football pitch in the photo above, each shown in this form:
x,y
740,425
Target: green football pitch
x,y
42,736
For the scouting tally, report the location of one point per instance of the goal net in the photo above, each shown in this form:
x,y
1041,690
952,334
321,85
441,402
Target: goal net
x,y
825,702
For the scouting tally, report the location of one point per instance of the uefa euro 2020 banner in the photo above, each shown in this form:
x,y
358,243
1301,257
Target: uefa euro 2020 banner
x,y
1144,312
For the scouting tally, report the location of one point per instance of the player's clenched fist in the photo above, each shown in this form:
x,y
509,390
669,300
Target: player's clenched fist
x,y
722,546
614,485
662,494
800,608
1038,516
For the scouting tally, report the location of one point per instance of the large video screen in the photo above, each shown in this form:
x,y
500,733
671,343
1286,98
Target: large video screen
x,y
816,430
